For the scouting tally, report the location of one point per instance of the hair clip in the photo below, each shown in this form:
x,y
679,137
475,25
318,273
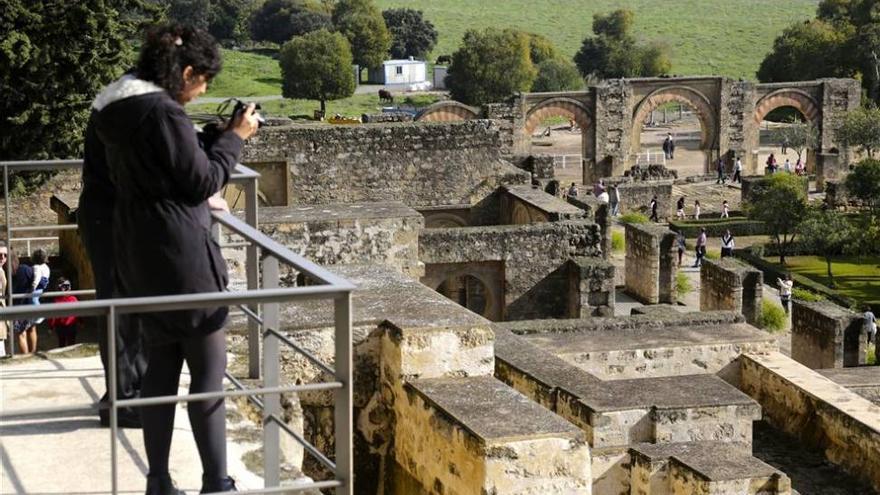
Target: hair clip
x,y
178,41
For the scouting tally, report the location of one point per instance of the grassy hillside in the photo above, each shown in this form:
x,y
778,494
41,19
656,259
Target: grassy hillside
x,y
246,74
726,37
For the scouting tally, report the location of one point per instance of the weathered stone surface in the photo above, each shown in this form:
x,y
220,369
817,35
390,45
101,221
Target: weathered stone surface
x,y
476,435
654,317
420,164
591,287
525,204
863,380
533,257
820,413
729,284
650,263
825,335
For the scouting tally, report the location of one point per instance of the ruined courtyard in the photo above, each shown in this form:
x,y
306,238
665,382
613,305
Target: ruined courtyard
x,y
499,344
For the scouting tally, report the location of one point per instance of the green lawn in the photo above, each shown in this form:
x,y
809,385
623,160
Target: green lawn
x,y
858,278
246,74
726,37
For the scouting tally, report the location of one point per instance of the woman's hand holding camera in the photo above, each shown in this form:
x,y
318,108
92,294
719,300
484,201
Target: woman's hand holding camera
x,y
245,123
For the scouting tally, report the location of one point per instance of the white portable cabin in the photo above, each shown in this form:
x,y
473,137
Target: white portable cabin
x,y
399,72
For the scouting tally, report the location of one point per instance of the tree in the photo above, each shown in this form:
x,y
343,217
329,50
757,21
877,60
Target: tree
x,y
825,233
541,49
796,135
190,12
780,202
861,130
411,34
863,182
614,52
317,66
55,56
228,19
279,20
362,23
557,75
806,51
490,65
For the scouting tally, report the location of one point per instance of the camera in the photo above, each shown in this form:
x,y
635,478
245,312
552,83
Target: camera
x,y
212,125
240,106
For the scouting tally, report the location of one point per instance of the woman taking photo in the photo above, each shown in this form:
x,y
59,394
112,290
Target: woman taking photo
x,y
142,149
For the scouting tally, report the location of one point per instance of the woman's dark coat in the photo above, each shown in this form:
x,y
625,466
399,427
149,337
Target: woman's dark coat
x,y
161,220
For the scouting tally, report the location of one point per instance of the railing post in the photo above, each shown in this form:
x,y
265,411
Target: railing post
x,y
271,372
11,337
253,277
114,426
343,420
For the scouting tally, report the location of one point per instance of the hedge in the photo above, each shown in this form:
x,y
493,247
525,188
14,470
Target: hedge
x,y
738,226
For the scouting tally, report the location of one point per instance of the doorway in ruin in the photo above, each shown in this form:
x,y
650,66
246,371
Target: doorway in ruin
x,y
779,119
478,286
562,128
468,291
686,117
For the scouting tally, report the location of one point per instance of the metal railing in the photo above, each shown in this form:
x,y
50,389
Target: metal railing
x,y
564,161
260,303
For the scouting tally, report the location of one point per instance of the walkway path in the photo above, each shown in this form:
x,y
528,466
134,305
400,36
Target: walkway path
x,y
70,454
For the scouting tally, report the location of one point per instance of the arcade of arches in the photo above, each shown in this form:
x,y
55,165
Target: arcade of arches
x,y
611,117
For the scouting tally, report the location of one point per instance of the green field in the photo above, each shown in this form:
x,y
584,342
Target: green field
x,y
246,74
726,37
858,278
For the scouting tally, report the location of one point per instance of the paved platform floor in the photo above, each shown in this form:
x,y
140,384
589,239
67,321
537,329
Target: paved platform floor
x,y
70,454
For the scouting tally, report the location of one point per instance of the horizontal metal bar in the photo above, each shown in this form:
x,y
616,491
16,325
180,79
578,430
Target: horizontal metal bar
x,y
171,303
308,355
34,239
250,314
242,173
42,164
51,411
284,254
235,244
287,488
36,228
237,384
81,292
317,454
171,399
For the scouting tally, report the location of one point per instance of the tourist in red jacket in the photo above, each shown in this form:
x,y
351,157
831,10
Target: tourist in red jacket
x,y
65,326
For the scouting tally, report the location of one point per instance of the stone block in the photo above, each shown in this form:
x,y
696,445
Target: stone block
x,y
650,263
591,287
863,380
476,435
729,284
819,413
525,205
825,335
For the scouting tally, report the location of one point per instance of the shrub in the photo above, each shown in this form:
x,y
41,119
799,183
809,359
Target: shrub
x,y
805,295
772,318
634,218
713,254
682,284
490,65
756,250
871,357
618,242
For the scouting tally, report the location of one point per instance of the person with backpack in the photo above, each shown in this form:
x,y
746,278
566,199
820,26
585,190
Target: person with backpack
x,y
727,244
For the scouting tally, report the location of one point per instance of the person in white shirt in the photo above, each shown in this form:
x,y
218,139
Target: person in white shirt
x,y
573,190
41,278
871,326
725,210
785,287
727,244
697,209
737,170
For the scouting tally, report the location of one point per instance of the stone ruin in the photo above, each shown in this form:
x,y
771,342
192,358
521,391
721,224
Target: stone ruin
x,y
650,172
490,354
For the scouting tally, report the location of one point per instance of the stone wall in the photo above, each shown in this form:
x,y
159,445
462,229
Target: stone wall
x,y
534,257
540,166
650,267
525,204
732,285
825,335
591,287
636,197
381,233
821,414
419,164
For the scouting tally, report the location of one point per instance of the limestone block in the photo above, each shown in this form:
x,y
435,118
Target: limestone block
x,y
729,284
475,435
825,335
650,269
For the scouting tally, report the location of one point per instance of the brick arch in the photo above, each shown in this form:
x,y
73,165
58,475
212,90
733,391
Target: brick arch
x,y
447,111
799,100
681,94
554,107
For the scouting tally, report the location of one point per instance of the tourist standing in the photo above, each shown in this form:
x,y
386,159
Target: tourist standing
x,y
669,147
771,163
165,185
22,281
700,250
697,209
787,166
725,209
615,201
727,244
653,206
720,169
573,190
737,170
4,325
785,286
799,167
41,278
784,145
871,331
64,326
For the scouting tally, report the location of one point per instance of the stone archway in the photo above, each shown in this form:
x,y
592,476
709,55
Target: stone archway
x,y
471,290
560,106
801,101
685,95
447,111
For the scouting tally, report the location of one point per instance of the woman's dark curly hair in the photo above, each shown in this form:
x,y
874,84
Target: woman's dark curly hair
x,y
169,48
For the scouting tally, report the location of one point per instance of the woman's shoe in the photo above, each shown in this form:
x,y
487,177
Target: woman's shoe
x,y
162,485
226,484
